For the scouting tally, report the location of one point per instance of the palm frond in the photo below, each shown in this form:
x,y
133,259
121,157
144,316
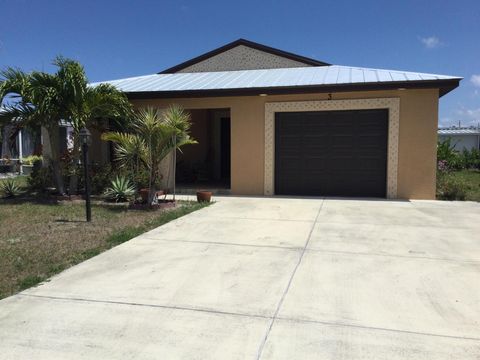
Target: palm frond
x,y
129,148
20,115
13,83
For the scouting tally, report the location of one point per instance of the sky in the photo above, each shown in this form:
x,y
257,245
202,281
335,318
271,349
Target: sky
x,y
121,38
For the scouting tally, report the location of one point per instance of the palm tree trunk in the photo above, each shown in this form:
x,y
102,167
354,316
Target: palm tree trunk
x,y
72,188
151,192
54,138
151,187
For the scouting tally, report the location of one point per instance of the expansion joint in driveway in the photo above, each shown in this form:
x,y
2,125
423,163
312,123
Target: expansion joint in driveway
x,y
275,315
400,331
113,302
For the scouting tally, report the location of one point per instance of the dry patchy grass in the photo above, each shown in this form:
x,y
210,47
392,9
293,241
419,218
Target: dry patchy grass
x,y
38,240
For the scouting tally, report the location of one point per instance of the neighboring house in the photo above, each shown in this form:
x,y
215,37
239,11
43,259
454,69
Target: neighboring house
x,y
461,138
65,137
22,144
15,145
269,122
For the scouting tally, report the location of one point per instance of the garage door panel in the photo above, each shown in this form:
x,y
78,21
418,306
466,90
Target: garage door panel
x,y
292,169
319,164
338,142
318,145
332,153
342,164
291,143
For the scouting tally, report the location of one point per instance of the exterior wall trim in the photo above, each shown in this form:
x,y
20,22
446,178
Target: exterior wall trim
x,y
392,104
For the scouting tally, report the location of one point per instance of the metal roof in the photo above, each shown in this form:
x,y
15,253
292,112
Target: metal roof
x,y
332,75
470,131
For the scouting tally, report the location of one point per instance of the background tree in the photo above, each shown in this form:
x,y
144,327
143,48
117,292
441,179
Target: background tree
x,y
35,101
96,107
39,99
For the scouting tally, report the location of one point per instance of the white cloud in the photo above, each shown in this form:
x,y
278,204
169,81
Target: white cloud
x,y
466,117
475,80
470,113
431,42
445,122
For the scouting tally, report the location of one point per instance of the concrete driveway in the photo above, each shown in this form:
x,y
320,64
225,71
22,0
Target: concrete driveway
x,y
268,278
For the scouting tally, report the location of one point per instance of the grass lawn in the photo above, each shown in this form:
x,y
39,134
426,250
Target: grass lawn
x,y
471,180
38,240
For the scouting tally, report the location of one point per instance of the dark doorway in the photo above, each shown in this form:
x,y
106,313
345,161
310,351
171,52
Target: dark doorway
x,y
206,164
225,145
331,153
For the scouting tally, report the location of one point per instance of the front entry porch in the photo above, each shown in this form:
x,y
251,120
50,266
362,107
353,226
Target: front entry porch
x,y
206,165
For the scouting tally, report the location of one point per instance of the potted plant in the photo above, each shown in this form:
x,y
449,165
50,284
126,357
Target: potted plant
x,y
28,163
144,194
204,196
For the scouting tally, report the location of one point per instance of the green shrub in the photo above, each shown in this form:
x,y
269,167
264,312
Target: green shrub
x,y
101,178
448,155
456,160
470,159
40,179
140,178
121,190
9,188
450,187
446,151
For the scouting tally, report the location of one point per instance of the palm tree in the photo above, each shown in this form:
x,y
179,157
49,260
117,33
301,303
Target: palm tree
x,y
154,135
97,107
37,102
44,100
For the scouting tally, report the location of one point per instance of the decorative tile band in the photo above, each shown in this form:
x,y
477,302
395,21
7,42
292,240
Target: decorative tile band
x,y
392,104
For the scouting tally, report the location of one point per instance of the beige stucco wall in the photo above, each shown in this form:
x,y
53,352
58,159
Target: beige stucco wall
x,y
417,136
418,144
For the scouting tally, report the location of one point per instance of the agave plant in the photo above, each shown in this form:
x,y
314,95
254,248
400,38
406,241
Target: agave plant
x,y
10,188
121,190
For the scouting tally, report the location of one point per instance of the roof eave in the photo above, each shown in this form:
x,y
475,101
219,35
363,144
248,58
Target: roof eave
x,y
444,87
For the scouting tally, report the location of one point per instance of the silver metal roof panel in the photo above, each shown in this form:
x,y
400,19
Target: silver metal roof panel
x,y
268,78
459,131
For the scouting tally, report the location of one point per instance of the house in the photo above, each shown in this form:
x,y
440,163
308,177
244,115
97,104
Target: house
x,y
270,122
461,138
16,144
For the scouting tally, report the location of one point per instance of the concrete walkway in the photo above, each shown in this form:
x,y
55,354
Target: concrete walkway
x,y
268,278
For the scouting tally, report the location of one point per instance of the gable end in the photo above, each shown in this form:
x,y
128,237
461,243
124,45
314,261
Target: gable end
x,y
243,55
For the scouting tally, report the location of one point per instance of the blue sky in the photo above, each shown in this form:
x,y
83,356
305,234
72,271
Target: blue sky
x,y
115,39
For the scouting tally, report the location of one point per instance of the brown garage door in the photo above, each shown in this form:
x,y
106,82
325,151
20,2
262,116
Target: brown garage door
x,y
331,153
